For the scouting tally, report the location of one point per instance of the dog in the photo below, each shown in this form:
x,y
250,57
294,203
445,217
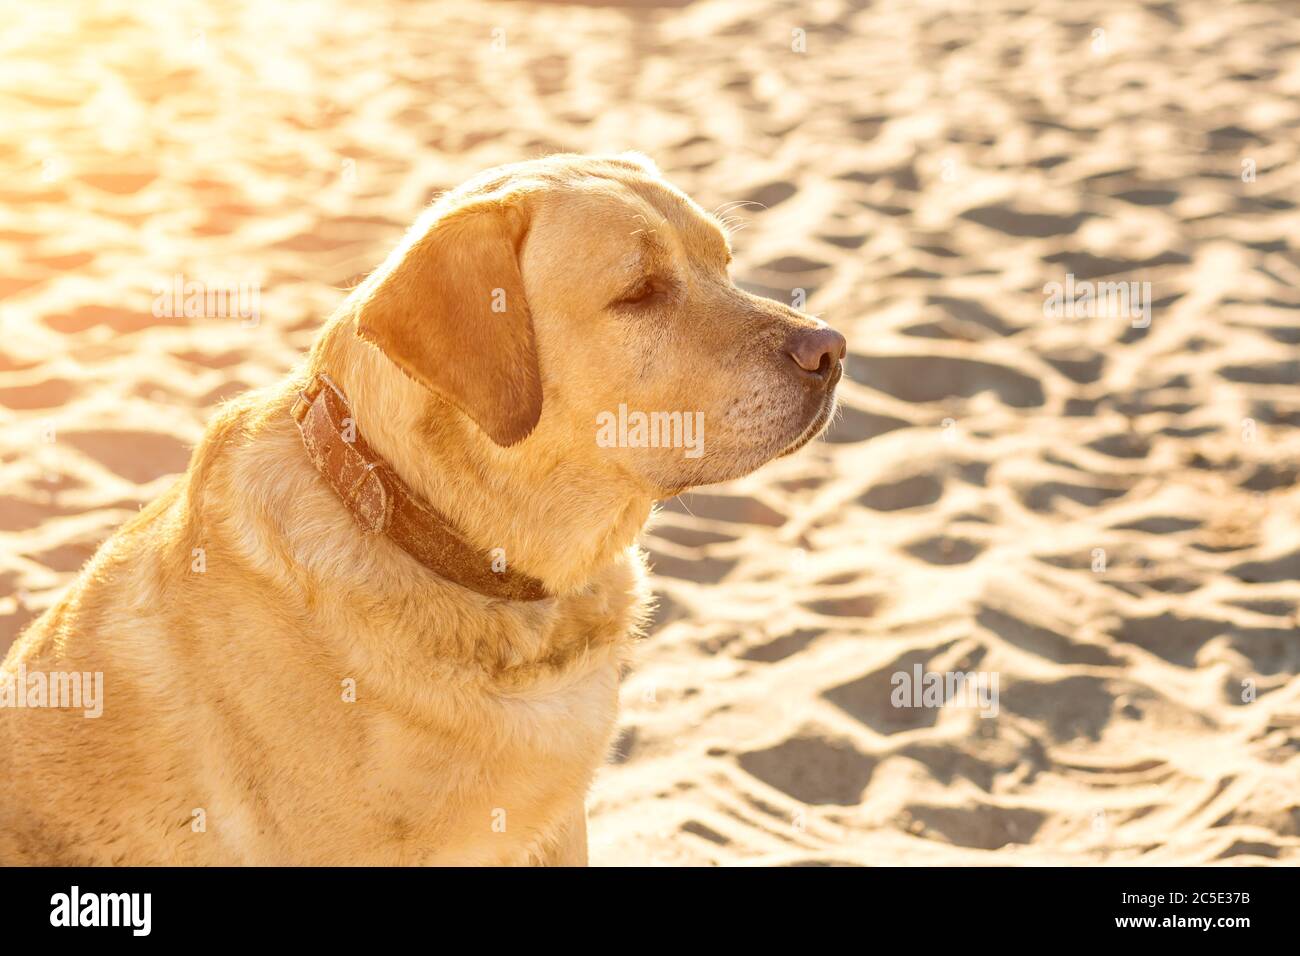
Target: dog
x,y
383,616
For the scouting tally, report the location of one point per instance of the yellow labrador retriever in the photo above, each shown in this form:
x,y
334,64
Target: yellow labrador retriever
x,y
381,619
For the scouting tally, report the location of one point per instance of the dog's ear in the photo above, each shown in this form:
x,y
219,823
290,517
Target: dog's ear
x,y
448,308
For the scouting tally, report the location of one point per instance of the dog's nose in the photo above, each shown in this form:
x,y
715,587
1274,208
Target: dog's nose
x,y
817,350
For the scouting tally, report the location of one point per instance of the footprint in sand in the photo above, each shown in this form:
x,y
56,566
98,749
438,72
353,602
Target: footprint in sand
x,y
868,698
933,378
137,456
812,768
981,826
915,491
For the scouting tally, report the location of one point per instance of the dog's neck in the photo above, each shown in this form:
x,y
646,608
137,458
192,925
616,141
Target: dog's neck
x,y
545,502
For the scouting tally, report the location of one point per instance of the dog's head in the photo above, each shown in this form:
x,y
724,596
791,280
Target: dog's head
x,y
585,299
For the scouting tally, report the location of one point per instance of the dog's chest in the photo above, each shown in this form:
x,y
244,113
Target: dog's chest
x,y
483,762
489,787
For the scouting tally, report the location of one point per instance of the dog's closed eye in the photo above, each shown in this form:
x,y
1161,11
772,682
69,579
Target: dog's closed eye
x,y
645,291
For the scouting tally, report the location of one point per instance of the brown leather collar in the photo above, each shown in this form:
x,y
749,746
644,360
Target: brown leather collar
x,y
382,503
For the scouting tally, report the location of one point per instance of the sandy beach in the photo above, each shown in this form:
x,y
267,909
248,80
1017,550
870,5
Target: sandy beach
x,y
1087,499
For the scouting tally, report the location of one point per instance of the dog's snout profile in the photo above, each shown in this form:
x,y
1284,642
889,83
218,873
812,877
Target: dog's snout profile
x,y
817,350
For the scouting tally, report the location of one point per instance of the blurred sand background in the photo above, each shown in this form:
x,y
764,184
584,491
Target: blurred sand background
x,y
922,169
